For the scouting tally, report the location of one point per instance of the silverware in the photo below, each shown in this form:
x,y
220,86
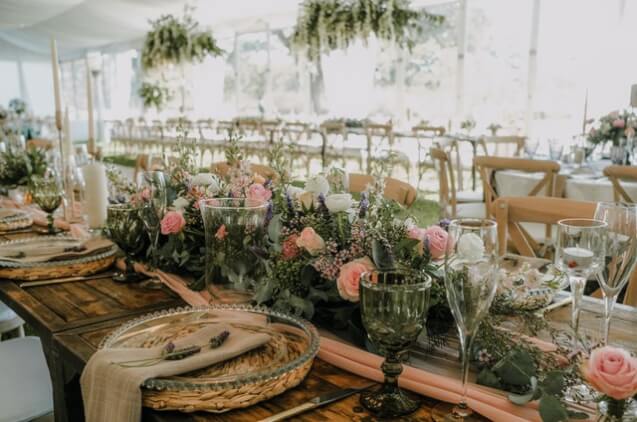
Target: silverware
x,y
64,280
317,401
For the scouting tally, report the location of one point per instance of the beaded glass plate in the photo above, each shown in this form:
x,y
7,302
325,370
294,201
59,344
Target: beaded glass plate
x,y
292,347
13,219
51,242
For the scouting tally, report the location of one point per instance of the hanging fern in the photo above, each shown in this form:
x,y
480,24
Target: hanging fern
x,y
174,40
326,25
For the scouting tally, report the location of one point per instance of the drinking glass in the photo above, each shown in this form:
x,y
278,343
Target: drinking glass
x,y
555,149
126,228
235,230
48,193
621,253
471,275
530,147
394,307
580,252
155,201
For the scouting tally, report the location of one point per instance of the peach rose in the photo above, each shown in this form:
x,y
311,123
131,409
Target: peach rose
x,y
257,178
289,248
310,241
438,241
349,278
221,232
612,371
418,234
256,192
172,223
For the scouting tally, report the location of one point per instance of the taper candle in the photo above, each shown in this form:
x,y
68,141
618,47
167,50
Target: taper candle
x,y
56,84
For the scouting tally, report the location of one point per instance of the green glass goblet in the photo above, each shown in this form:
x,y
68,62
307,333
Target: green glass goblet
x,y
125,227
394,307
48,193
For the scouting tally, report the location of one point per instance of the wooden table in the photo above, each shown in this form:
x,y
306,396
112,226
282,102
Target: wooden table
x,y
73,318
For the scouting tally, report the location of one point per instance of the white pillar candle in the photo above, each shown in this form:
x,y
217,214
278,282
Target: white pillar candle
x,y
96,194
56,84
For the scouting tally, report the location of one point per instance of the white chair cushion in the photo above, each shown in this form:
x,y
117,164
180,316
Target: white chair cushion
x,y
25,384
469,210
469,196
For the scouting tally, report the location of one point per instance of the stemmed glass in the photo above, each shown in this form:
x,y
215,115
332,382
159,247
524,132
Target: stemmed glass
x,y
48,193
621,253
580,252
155,201
394,306
125,227
471,275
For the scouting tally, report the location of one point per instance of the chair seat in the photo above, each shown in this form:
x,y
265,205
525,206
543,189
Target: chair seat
x,y
469,196
25,382
469,210
9,321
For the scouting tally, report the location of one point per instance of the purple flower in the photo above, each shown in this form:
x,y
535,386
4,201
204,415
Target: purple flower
x,y
444,223
363,205
269,212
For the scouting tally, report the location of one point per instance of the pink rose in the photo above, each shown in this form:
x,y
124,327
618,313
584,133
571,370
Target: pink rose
x,y
438,241
613,114
619,123
172,223
349,278
145,194
418,234
289,248
257,193
310,241
221,232
629,132
612,371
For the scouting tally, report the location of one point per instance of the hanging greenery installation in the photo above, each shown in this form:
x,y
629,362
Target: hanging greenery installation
x,y
326,25
176,41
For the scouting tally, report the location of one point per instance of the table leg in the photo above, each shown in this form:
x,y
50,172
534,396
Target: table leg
x,y
56,369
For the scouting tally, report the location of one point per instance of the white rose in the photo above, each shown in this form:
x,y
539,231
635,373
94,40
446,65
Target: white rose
x,y
293,191
338,202
203,179
180,203
306,199
470,247
214,187
317,185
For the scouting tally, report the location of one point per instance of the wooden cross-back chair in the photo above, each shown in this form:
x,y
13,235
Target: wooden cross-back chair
x,y
425,137
515,144
511,212
222,168
618,173
397,190
380,139
450,199
334,136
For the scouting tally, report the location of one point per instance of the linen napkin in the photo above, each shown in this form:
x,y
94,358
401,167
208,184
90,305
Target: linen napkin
x,y
112,392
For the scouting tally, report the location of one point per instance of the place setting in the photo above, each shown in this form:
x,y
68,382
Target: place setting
x,y
311,210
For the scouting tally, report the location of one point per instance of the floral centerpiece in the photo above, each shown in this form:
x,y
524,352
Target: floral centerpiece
x,y
494,128
154,94
18,106
613,373
18,165
613,127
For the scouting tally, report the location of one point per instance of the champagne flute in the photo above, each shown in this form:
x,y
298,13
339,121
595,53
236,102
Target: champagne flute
x,y
621,253
580,251
394,307
155,201
48,193
471,275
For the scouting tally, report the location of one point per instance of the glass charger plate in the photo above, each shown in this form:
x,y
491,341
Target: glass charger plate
x,y
51,241
294,343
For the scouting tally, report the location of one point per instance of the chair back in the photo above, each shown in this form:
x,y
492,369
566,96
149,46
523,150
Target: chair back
x,y
446,181
397,190
503,146
488,166
618,173
510,212
426,131
39,143
223,168
294,132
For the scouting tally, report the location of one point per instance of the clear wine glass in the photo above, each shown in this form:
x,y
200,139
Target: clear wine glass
x,y
580,252
471,275
621,253
155,201
394,307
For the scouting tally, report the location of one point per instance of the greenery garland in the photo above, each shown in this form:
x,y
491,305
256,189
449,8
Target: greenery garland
x,y
154,94
174,40
326,25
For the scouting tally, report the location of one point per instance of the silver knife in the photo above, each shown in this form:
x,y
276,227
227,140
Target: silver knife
x,y
64,280
317,401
